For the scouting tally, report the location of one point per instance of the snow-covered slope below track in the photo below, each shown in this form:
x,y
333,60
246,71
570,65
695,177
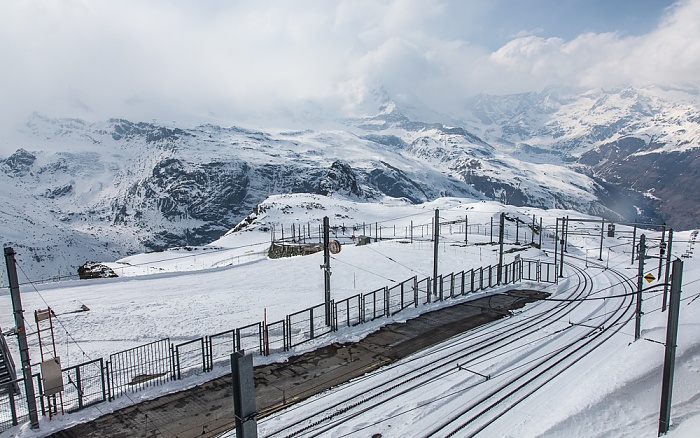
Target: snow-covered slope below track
x,y
614,392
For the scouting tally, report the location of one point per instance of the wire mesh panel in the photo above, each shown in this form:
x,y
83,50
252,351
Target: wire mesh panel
x,y
299,327
409,293
460,283
493,275
423,291
321,324
374,305
221,346
250,338
447,286
140,367
395,296
481,277
84,385
190,358
13,408
548,272
275,337
348,311
470,280
530,269
505,276
308,324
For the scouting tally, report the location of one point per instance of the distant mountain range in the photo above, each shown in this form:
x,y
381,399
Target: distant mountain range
x,y
75,191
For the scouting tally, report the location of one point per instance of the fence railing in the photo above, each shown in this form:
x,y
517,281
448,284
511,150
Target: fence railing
x,y
161,361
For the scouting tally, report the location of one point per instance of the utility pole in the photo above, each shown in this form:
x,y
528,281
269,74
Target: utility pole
x,y
411,231
466,230
541,232
640,279
670,351
327,269
436,225
556,242
634,240
564,223
491,241
566,235
662,247
21,337
602,230
668,266
499,274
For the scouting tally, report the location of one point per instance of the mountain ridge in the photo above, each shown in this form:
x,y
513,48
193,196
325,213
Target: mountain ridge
x,y
121,187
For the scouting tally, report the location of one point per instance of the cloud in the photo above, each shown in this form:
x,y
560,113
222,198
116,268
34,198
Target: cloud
x,y
174,60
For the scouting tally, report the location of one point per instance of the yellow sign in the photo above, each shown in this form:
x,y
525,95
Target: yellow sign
x,y
649,277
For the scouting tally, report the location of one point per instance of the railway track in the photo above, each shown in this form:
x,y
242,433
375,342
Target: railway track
x,y
519,343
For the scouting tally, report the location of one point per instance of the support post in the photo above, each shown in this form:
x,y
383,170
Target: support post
x,y
244,408
411,231
327,270
491,241
436,224
499,274
556,242
662,247
565,234
561,247
640,280
541,232
21,337
602,231
466,230
670,353
634,240
668,268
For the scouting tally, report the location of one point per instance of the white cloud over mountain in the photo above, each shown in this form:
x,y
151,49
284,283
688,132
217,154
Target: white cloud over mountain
x,y
174,60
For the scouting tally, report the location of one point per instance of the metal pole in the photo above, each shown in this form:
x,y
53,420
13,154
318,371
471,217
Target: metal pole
x,y
327,270
517,231
565,234
541,232
668,266
436,224
640,279
634,240
466,230
556,242
21,337
491,241
670,353
500,247
561,246
602,229
244,408
661,249
411,231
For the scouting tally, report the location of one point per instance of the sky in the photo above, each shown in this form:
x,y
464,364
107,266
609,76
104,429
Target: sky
x,y
219,61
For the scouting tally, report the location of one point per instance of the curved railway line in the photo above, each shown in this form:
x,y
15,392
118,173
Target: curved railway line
x,y
513,352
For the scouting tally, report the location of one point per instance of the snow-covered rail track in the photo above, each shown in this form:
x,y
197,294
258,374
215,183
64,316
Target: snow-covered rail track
x,y
508,394
525,335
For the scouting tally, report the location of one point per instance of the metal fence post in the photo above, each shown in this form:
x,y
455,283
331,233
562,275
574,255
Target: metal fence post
x,y
79,387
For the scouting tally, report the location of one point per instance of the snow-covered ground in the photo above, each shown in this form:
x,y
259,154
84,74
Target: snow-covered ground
x,y
188,293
